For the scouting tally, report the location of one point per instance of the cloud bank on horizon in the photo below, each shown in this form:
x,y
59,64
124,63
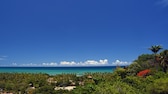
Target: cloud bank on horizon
x,y
73,63
86,63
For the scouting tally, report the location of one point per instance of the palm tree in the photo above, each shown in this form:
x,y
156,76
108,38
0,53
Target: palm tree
x,y
155,48
164,60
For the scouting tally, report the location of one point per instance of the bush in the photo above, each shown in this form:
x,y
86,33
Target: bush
x,y
133,69
87,89
159,86
117,87
120,72
143,73
136,82
145,61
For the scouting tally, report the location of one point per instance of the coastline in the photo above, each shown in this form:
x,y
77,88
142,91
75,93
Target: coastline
x,y
78,70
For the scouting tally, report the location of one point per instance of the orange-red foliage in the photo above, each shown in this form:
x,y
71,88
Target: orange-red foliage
x,y
143,73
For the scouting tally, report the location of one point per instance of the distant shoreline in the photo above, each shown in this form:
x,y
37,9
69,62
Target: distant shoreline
x,y
53,66
78,70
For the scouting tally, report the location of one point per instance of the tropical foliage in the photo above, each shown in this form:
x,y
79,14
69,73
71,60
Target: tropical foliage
x,y
164,60
155,48
141,77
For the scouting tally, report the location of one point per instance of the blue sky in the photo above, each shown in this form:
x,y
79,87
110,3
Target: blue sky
x,y
80,32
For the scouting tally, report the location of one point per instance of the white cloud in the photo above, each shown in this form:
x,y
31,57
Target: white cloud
x,y
14,64
163,3
29,64
86,63
3,58
49,64
103,62
68,63
34,64
93,62
120,63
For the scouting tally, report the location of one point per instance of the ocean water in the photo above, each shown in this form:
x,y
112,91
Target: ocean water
x,y
58,70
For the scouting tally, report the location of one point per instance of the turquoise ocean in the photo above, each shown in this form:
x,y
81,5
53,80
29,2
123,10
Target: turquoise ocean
x,y
58,70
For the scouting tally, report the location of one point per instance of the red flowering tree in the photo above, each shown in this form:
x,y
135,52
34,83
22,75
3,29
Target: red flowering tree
x,y
143,73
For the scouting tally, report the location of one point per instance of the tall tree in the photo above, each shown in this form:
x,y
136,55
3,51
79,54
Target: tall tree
x,y
164,60
155,49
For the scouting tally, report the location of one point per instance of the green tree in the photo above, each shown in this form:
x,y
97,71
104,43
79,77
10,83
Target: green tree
x,y
133,69
145,61
155,49
159,86
115,87
47,89
164,60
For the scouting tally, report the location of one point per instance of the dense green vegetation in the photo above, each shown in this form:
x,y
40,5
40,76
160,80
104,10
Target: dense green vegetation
x,y
121,81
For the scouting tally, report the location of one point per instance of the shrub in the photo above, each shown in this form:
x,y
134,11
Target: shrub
x,y
159,86
143,73
133,69
120,72
118,87
136,82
